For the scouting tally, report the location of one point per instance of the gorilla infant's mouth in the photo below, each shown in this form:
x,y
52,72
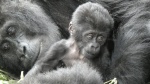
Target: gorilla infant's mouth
x,y
88,54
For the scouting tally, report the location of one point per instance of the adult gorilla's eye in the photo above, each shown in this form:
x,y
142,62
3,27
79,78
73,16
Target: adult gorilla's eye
x,y
5,46
89,36
100,38
11,30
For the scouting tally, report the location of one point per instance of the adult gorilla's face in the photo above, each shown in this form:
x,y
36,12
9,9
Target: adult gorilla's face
x,y
26,33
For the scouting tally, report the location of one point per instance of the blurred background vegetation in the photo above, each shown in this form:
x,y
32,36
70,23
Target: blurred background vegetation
x,y
6,78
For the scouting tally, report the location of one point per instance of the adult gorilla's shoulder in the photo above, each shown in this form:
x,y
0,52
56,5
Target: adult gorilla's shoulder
x,y
26,33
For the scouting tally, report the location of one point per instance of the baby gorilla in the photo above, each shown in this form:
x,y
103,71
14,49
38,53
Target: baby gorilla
x,y
89,30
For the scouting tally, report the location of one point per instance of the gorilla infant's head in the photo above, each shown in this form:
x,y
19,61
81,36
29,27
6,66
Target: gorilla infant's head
x,y
26,32
90,25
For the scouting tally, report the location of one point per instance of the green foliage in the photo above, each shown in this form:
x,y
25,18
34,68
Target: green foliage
x,y
4,76
8,82
6,79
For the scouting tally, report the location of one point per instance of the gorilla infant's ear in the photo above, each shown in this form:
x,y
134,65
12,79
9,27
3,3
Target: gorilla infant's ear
x,y
70,28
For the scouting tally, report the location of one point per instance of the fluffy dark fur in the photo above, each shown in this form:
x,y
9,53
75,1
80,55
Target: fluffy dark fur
x,y
80,73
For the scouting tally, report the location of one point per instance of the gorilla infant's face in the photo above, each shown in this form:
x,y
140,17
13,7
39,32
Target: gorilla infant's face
x,y
26,33
93,41
91,38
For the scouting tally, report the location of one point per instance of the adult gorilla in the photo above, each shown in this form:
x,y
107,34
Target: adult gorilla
x,y
26,33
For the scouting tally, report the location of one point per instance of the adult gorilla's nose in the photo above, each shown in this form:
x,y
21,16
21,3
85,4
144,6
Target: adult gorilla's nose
x,y
22,48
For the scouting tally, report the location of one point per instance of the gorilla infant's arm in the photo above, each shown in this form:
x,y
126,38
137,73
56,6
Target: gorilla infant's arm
x,y
51,60
62,54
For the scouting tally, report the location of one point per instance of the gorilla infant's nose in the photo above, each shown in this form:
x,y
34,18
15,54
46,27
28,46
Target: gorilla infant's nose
x,y
94,46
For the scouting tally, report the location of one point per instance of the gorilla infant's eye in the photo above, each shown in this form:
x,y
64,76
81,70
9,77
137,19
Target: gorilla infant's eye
x,y
89,36
100,38
5,46
11,30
